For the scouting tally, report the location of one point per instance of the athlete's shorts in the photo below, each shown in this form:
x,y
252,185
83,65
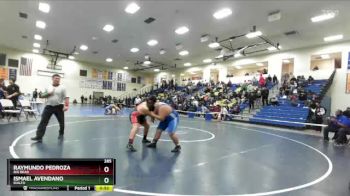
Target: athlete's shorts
x,y
170,123
137,117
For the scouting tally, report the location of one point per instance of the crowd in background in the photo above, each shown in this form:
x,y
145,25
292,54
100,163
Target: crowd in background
x,y
222,98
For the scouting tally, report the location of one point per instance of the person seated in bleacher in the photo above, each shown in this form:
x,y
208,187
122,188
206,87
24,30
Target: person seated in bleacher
x,y
274,101
310,79
333,125
302,96
294,100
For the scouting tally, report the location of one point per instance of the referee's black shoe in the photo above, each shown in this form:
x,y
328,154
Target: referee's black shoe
x,y
36,138
60,136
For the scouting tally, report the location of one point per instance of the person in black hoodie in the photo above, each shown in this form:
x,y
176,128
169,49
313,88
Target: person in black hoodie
x,y
251,99
264,96
274,79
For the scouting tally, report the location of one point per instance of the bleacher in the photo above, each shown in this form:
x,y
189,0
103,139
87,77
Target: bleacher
x,y
285,114
316,86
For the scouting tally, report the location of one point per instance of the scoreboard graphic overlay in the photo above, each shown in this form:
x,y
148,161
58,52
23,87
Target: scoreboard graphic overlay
x,y
61,174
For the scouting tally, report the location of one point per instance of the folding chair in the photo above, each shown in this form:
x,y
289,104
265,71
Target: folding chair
x,y
27,108
8,108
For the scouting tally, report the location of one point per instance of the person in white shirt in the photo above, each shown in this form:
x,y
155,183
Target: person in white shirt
x,y
137,100
57,103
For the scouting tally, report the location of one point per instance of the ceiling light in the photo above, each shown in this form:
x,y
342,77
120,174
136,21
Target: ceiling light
x,y
323,17
162,51
193,73
272,48
38,37
237,55
152,42
187,64
325,56
134,50
286,61
126,67
220,14
147,57
253,34
94,38
207,61
132,8
220,56
182,74
333,38
179,46
181,30
36,45
76,53
173,76
184,53
109,59
156,70
147,62
44,7
238,67
214,45
71,57
40,24
260,64
35,51
204,38
108,28
83,47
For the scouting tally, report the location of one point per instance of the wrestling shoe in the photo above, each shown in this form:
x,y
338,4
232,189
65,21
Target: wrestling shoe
x,y
36,138
131,148
152,145
145,141
176,149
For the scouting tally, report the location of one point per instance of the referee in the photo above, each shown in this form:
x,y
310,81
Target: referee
x,y
57,103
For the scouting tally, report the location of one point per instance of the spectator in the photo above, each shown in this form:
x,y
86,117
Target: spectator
x,y
274,79
310,79
341,139
347,112
251,100
317,115
35,95
333,125
137,101
262,81
274,101
294,100
3,92
13,92
269,78
264,96
82,99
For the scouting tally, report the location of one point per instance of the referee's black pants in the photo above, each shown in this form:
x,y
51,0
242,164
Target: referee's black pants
x,y
45,117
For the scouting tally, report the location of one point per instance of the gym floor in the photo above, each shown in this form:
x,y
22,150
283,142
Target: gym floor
x,y
217,158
